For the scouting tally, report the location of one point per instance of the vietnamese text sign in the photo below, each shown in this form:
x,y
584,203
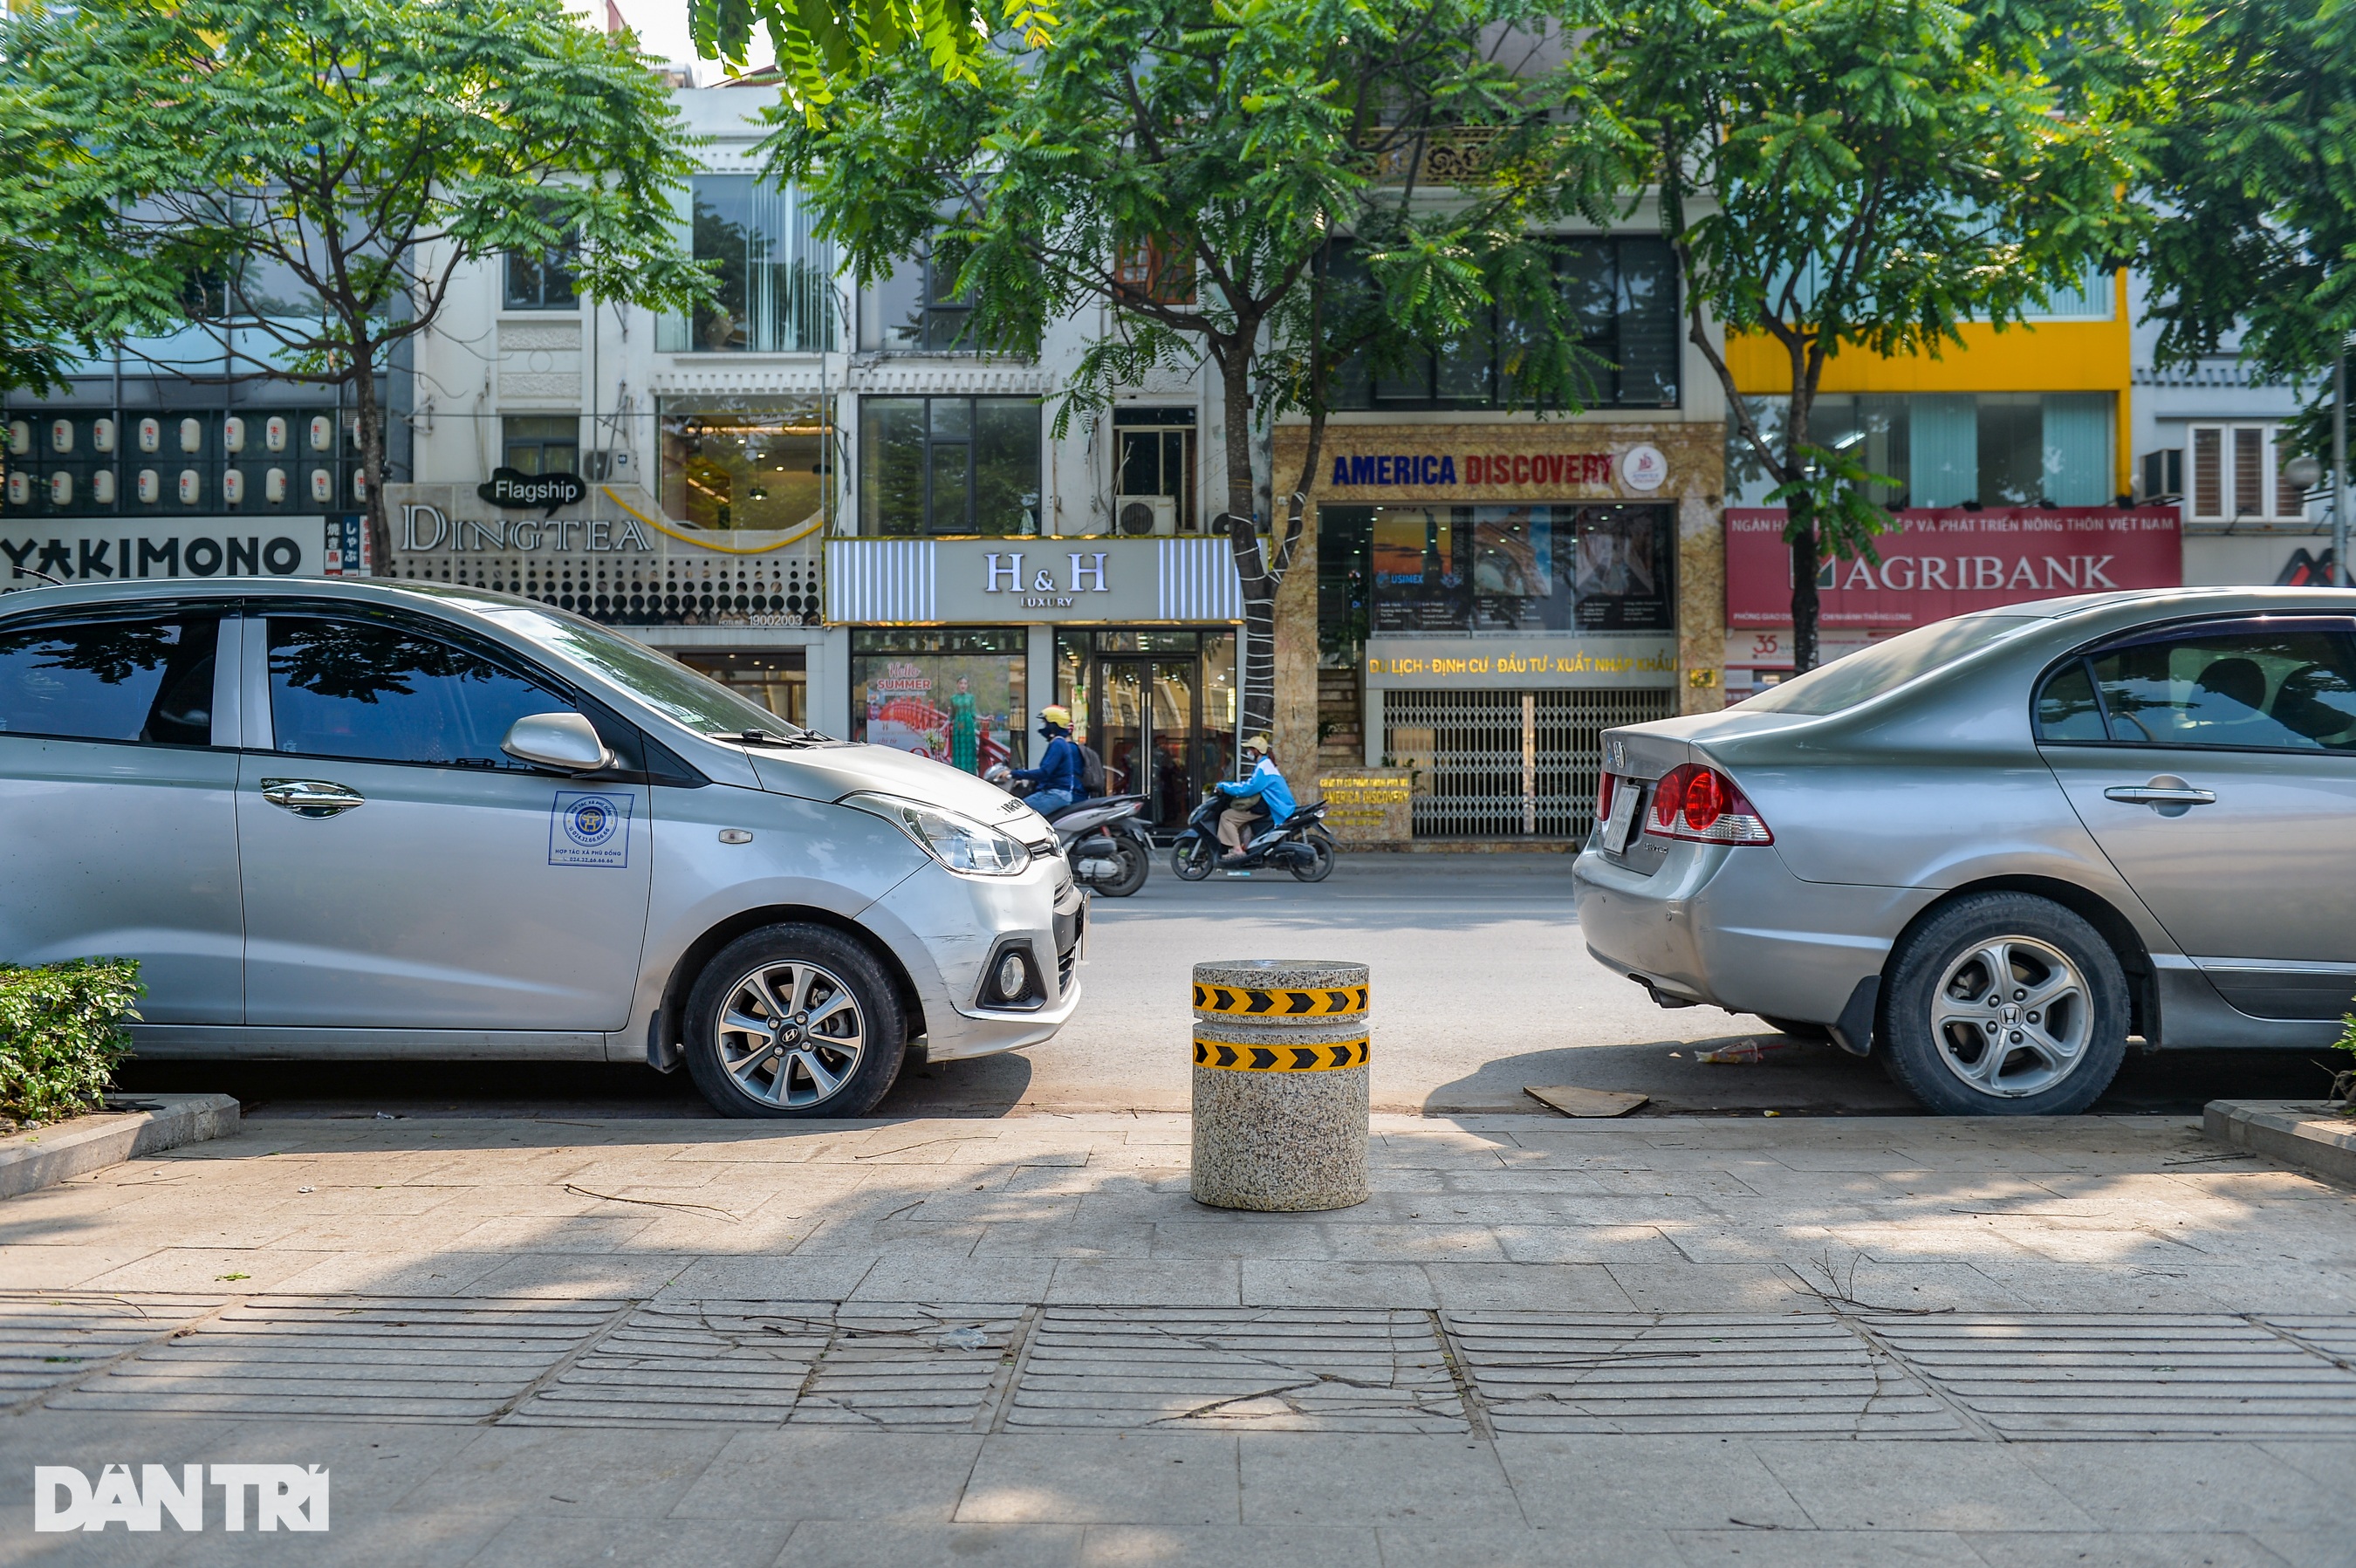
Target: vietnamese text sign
x,y
1514,663
1937,564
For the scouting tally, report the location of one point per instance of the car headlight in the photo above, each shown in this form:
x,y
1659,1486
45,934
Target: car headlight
x,y
958,842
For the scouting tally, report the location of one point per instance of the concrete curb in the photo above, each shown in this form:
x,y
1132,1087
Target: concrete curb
x,y
131,1125
2302,1133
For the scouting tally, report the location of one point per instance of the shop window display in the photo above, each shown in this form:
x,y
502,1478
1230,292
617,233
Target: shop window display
x,y
736,465
956,697
1494,568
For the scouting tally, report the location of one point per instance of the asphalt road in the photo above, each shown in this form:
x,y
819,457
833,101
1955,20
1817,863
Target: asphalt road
x,y
1481,987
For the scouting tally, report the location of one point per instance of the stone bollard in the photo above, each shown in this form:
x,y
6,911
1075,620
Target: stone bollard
x,y
1280,1054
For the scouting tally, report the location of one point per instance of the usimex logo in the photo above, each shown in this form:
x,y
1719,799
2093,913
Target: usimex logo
x,y
284,1496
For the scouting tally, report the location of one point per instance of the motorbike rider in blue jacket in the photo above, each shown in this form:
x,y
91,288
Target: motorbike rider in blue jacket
x,y
1263,789
1061,776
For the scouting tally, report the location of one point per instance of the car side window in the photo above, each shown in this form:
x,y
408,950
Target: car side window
x,y
2287,689
124,678
379,692
2066,708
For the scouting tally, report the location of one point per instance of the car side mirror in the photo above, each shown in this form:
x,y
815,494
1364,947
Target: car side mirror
x,y
566,742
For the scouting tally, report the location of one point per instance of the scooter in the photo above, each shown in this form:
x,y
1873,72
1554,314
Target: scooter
x,y
1104,838
1302,845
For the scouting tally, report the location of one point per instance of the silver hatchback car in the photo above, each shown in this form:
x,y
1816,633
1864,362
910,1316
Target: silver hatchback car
x,y
380,820
2001,848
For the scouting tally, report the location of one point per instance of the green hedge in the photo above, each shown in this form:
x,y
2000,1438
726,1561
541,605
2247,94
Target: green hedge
x,y
62,1034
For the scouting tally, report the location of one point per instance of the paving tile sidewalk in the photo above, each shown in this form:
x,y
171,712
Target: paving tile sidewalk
x,y
1020,1341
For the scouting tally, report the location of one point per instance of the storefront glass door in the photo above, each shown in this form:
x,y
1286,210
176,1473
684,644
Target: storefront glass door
x,y
1146,733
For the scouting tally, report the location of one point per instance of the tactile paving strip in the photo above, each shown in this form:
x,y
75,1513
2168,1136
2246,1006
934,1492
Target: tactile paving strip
x,y
1676,1372
353,1358
2121,1375
770,1363
46,1340
1344,1370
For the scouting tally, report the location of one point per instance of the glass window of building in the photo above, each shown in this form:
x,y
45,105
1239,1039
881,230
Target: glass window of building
x,y
775,678
776,277
1153,454
956,694
1954,449
916,309
1620,291
737,464
1493,568
542,281
948,464
1159,708
540,443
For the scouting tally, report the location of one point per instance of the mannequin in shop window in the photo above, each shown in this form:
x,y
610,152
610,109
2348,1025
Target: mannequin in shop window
x,y
965,729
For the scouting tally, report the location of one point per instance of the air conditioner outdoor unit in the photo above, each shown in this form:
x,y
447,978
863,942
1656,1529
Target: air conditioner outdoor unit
x,y
1137,516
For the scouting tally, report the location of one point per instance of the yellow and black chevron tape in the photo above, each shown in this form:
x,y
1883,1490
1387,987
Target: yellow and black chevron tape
x,y
1235,1056
1243,1003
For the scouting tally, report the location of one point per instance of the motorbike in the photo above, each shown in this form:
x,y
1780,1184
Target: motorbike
x,y
1104,838
1302,845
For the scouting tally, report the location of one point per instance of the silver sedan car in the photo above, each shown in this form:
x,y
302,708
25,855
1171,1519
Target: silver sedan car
x,y
2001,849
380,820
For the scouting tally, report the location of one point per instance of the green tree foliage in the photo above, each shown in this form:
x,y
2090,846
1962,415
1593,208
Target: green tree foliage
x,y
2256,169
1178,169
818,44
1866,175
313,174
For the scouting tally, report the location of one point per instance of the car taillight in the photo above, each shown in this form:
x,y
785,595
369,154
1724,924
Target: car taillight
x,y
1603,785
1692,801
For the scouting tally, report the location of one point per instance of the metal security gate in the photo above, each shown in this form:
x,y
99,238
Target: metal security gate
x,y
1509,764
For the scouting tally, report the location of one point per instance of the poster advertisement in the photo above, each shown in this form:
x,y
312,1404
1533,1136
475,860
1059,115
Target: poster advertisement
x,y
1521,568
964,709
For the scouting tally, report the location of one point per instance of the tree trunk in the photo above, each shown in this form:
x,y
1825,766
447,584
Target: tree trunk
x,y
370,415
1800,532
1258,710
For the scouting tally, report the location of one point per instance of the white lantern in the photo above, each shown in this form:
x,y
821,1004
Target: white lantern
x,y
273,432
101,486
192,486
323,486
323,433
151,487
101,436
61,435
151,436
192,436
20,436
61,489
274,486
20,490
232,434
360,486
233,486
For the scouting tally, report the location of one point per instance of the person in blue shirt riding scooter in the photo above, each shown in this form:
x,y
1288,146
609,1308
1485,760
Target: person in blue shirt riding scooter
x,y
1060,777
1264,790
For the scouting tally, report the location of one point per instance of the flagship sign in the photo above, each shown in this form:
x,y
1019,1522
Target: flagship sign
x,y
513,489
424,527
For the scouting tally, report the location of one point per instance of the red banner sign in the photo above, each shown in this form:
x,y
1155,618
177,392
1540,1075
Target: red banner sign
x,y
1937,563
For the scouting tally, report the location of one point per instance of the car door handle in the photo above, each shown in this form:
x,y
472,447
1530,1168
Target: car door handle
x,y
311,797
2161,795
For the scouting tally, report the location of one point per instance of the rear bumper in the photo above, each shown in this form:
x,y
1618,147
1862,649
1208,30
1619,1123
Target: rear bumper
x,y
1731,925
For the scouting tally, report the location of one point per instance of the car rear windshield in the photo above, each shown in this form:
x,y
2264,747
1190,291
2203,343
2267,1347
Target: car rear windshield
x,y
700,702
1866,674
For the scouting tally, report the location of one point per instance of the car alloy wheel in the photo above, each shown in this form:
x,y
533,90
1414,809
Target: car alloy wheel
x,y
2012,1017
791,1034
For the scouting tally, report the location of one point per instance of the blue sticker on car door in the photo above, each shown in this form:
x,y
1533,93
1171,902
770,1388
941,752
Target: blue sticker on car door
x,y
587,828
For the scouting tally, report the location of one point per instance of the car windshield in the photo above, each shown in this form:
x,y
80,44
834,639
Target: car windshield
x,y
702,704
1866,674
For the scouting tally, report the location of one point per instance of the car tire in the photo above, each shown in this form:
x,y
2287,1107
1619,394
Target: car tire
x,y
840,1048
1796,1029
2006,971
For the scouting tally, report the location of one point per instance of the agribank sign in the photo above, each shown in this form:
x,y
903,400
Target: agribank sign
x,y
1937,563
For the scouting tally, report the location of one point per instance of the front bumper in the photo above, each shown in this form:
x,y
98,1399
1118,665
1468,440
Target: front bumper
x,y
947,928
1729,925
